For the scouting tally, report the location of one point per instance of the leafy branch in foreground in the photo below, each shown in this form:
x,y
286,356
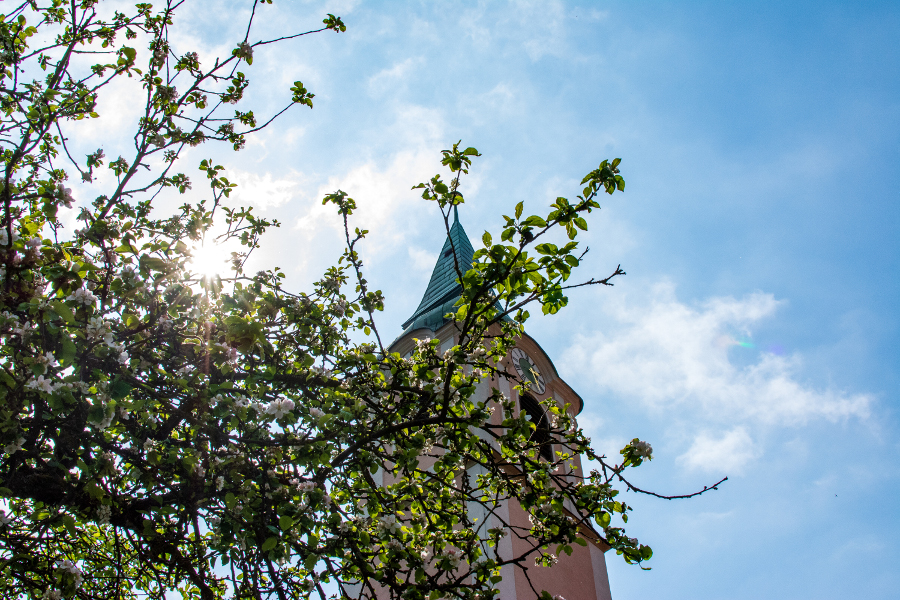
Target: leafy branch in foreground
x,y
218,435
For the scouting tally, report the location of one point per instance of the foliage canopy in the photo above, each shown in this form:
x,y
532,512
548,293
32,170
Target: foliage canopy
x,y
217,435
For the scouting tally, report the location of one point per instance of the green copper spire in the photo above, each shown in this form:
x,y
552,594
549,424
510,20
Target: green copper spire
x,y
443,289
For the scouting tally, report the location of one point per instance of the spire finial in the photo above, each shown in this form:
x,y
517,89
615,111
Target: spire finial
x,y
455,213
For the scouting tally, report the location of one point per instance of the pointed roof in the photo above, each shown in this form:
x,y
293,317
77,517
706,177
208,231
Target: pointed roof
x,y
443,289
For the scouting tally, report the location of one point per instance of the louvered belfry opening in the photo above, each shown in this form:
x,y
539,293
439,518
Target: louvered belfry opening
x,y
541,434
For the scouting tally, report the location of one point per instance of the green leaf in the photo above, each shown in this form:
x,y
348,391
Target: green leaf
x,y
285,522
69,522
67,349
486,238
519,208
269,544
119,389
60,308
535,221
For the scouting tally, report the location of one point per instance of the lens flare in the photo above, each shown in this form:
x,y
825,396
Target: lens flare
x,y
208,260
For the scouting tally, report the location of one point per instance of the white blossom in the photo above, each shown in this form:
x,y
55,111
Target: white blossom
x,y
65,194
41,384
4,520
52,595
220,483
4,236
279,408
24,330
97,328
104,512
83,296
245,51
453,556
105,422
316,413
389,524
642,449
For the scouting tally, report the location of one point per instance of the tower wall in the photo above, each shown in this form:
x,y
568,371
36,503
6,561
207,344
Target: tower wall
x,y
581,576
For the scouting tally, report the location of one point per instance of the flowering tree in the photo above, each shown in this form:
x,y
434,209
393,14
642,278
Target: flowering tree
x,y
217,434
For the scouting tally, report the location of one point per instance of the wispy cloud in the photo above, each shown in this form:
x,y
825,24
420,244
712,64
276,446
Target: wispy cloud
x,y
392,77
665,353
727,453
263,190
676,358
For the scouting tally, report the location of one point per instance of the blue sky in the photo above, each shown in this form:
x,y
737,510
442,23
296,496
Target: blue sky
x,y
756,333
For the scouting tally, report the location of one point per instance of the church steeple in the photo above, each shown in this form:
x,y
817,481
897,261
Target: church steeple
x,y
443,290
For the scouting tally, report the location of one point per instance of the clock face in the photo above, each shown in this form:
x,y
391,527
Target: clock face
x,y
527,370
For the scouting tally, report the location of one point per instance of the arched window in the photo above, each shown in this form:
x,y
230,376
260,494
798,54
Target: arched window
x,y
541,434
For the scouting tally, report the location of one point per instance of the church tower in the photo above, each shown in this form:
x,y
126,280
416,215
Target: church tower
x,y
583,575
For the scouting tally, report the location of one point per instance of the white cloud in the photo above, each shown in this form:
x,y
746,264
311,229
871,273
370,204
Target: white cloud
x,y
422,260
385,203
262,190
666,353
392,77
729,453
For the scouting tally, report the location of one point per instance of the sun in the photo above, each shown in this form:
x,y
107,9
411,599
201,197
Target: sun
x,y
208,260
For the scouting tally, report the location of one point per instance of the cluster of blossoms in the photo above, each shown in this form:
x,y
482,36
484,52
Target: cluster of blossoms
x,y
104,512
452,556
65,195
42,384
316,413
477,354
166,323
279,408
304,486
83,296
389,524
67,566
231,354
642,449
24,330
244,50
4,236
99,329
